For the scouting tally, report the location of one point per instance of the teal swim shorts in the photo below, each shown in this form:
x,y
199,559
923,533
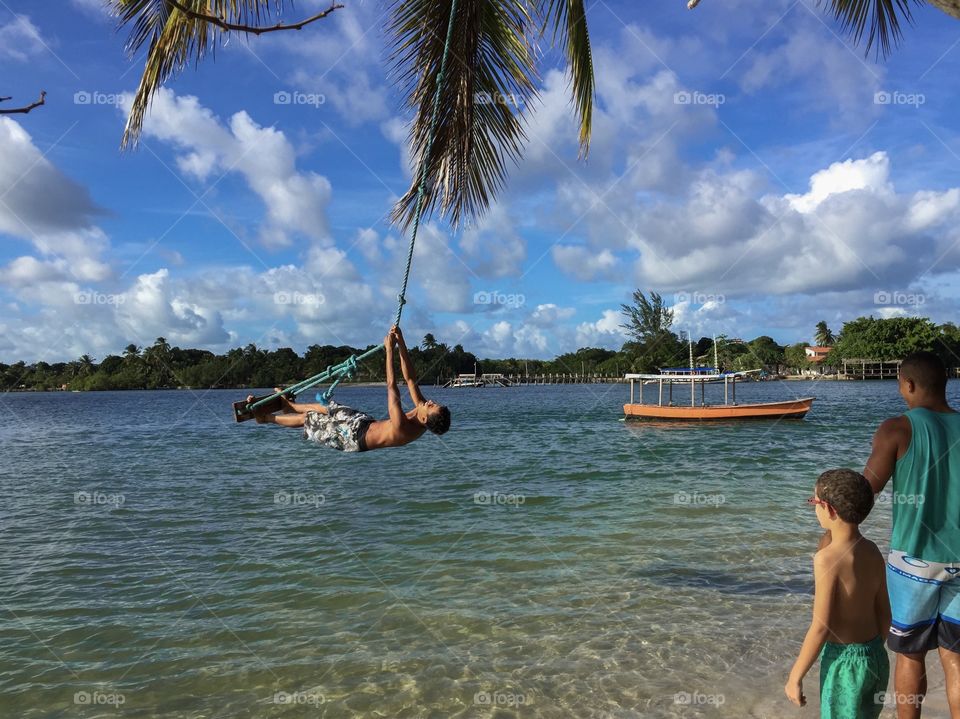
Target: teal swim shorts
x,y
853,680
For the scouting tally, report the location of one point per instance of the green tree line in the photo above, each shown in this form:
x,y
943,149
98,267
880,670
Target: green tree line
x,y
652,344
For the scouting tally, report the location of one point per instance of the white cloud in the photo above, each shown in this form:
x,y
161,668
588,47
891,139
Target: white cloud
x,y
585,264
295,202
20,39
548,315
41,205
810,54
604,332
492,247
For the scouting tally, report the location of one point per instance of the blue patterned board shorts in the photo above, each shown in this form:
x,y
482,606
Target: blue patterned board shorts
x,y
925,603
343,428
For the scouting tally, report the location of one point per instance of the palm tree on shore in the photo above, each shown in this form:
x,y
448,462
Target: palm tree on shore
x,y
823,336
131,353
490,79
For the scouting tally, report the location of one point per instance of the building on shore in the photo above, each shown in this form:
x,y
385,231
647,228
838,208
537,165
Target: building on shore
x,y
818,357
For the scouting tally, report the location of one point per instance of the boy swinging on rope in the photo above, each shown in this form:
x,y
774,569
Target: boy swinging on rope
x,y
349,430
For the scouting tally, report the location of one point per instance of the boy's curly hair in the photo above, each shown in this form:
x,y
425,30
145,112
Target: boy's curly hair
x,y
848,492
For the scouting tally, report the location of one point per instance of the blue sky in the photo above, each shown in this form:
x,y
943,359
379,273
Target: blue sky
x,y
746,163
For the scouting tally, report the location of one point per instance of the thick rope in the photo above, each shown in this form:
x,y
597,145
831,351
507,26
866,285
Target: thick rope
x,y
348,367
401,298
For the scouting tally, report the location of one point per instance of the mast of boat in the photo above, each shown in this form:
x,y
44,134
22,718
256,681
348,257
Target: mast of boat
x,y
693,372
716,362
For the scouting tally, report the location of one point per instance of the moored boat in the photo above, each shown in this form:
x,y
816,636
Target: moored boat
x,y
729,410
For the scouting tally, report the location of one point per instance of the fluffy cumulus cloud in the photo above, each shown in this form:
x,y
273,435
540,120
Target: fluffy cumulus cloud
x,y
69,302
48,210
604,332
295,202
850,230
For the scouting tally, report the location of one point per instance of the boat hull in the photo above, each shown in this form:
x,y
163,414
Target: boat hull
x,y
790,409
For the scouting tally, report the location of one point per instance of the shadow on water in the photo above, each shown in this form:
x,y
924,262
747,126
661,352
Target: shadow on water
x,y
726,582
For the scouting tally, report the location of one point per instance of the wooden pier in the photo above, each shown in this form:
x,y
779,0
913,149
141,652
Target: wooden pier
x,y
519,380
870,369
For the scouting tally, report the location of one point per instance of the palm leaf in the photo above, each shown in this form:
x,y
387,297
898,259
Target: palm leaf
x,y
489,81
882,17
174,40
569,20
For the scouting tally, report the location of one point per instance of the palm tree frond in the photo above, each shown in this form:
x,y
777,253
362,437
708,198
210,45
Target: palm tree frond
x,y
569,20
882,17
175,38
490,78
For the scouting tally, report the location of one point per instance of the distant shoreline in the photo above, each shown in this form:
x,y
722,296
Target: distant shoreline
x,y
788,378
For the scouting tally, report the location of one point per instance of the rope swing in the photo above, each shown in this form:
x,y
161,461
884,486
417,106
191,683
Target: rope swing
x,y
348,368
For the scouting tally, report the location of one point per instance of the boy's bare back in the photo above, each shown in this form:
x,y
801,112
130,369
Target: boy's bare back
x,y
856,573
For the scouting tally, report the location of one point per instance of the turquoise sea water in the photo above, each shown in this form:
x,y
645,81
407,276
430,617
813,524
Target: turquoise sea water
x,y
542,559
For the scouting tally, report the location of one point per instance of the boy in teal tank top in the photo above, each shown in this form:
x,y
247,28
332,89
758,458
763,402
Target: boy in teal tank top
x,y
920,452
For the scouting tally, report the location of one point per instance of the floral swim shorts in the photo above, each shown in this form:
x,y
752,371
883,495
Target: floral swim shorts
x,y
342,428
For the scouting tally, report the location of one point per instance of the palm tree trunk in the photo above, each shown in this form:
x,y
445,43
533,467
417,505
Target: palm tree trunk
x,y
950,7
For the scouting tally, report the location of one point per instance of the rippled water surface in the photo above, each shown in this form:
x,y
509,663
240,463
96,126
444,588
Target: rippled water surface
x,y
543,559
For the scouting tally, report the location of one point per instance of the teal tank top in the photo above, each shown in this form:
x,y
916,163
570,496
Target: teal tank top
x,y
926,488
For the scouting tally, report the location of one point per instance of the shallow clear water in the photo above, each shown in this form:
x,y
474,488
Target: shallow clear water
x,y
605,568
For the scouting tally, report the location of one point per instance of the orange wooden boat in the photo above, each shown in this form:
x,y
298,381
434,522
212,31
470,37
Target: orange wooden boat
x,y
787,409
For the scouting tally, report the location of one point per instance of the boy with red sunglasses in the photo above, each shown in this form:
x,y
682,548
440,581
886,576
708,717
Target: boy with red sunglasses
x,y
851,612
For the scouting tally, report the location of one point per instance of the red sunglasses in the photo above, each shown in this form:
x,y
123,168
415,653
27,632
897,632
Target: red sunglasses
x,y
814,501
